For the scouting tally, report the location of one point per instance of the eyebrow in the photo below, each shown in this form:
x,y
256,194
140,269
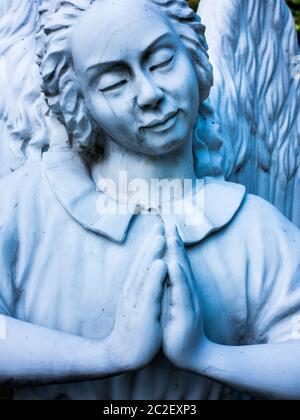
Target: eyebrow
x,y
105,68
120,64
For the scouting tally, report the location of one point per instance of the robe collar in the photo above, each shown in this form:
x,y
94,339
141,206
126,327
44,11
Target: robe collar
x,y
76,191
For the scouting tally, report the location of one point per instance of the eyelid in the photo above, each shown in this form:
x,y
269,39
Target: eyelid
x,y
163,63
114,86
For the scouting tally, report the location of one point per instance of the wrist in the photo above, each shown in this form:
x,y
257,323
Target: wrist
x,y
211,359
101,359
204,358
116,360
196,359
120,359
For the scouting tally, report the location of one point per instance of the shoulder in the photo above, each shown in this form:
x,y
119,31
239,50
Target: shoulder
x,y
23,178
265,232
264,214
222,201
20,187
223,195
249,215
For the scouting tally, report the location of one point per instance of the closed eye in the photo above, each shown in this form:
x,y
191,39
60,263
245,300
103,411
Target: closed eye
x,y
114,86
162,65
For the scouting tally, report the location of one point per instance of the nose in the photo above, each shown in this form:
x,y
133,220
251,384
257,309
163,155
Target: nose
x,y
149,95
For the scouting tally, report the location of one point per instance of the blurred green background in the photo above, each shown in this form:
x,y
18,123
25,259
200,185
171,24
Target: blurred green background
x,y
293,4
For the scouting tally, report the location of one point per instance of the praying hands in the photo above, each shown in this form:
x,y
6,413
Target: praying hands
x,y
159,305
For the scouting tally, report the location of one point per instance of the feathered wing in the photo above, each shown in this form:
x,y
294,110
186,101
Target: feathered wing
x,y
253,49
5,151
23,109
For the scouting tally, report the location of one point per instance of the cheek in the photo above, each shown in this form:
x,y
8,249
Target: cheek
x,y
115,117
189,81
109,114
184,83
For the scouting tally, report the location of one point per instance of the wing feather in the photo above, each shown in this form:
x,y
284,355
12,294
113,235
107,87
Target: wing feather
x,y
22,105
256,96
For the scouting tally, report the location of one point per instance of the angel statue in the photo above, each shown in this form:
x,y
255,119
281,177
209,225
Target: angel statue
x,y
102,300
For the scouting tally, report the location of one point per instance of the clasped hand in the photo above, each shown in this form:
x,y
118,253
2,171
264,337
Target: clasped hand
x,y
159,306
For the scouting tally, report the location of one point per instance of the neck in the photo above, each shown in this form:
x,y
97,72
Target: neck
x,y
119,161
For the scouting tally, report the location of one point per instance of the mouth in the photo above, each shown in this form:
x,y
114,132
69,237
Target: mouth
x,y
162,124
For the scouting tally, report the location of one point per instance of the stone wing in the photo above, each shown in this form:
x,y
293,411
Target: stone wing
x,y
256,58
22,105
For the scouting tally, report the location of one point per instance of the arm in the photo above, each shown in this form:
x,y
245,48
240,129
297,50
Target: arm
x,y
35,355
269,370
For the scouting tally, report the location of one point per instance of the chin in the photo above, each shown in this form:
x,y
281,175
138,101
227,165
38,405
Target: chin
x,y
163,148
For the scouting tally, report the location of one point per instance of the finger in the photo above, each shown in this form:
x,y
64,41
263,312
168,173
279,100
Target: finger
x,y
156,249
153,249
137,279
185,267
147,246
171,230
180,292
152,293
155,252
166,302
176,252
156,230
175,245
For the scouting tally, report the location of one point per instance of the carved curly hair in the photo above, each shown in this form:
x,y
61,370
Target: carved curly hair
x,y
62,91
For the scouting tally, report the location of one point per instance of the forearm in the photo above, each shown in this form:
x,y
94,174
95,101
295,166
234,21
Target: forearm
x,y
34,355
271,370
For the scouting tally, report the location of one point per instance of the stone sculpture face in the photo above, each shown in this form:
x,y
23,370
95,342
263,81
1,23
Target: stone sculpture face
x,y
137,78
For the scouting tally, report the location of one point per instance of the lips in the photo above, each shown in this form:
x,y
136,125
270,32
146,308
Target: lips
x,y
163,123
